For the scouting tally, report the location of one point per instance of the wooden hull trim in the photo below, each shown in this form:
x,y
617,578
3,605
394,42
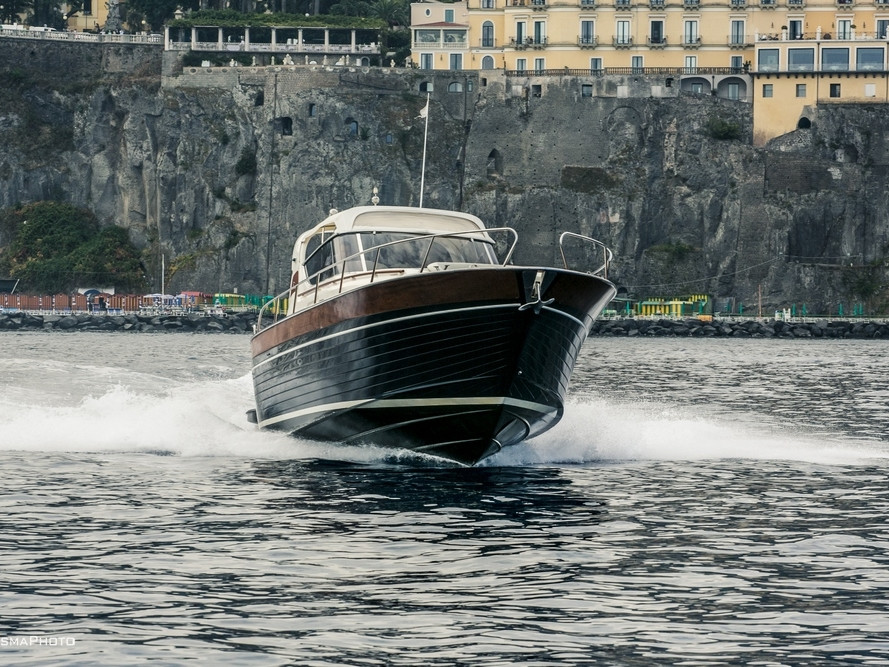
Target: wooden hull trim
x,y
367,327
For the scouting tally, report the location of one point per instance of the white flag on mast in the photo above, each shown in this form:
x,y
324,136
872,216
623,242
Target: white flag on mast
x,y
424,112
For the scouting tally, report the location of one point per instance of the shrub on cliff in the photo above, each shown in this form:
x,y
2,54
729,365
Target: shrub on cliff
x,y
55,247
722,129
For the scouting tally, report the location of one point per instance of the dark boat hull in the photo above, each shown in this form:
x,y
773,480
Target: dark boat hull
x,y
457,364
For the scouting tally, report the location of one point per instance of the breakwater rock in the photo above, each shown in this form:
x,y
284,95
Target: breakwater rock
x,y
742,328
196,322
243,323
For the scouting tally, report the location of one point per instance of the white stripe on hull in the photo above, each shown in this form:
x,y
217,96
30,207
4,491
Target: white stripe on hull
x,y
410,403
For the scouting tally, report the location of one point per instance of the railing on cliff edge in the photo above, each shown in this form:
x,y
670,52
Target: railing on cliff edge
x,y
21,32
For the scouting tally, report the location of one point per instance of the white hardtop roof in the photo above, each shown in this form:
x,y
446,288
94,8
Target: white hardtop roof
x,y
400,219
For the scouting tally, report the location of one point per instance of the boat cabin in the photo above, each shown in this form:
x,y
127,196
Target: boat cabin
x,y
371,243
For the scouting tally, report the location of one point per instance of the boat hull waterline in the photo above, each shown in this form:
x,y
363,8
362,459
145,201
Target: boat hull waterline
x,y
457,364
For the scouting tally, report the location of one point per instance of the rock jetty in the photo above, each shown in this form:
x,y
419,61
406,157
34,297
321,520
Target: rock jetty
x,y
243,323
821,328
196,322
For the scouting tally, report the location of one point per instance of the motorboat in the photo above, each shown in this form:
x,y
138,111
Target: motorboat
x,y
411,328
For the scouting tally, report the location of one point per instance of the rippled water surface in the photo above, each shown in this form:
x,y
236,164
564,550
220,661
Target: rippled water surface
x,y
703,502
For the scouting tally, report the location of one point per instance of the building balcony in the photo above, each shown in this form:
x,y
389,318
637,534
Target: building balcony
x,y
538,4
738,4
657,42
768,4
657,4
691,42
588,4
622,42
522,43
622,4
739,41
691,4
796,4
488,43
588,41
844,3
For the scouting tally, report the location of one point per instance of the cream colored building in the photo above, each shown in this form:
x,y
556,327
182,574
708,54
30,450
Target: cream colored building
x,y
784,56
91,16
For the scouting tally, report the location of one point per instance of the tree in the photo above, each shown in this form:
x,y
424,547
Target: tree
x,y
55,247
156,12
393,12
351,8
11,9
48,13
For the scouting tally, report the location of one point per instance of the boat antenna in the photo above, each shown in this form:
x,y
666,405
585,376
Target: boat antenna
x,y
424,113
375,199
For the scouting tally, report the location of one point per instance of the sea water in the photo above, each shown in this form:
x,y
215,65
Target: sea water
x,y
703,502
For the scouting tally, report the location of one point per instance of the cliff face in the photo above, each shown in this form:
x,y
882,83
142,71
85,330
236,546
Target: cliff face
x,y
219,169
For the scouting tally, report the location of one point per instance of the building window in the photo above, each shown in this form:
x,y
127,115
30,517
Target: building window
x,y
521,64
539,64
596,64
425,61
449,16
834,90
487,62
455,87
844,29
882,29
869,59
801,60
311,110
795,29
586,90
737,62
768,60
520,32
737,33
487,34
537,90
637,64
539,32
587,32
835,60
657,32
697,88
733,91
623,32
456,61
767,90
691,64
690,36
487,4
389,139
800,90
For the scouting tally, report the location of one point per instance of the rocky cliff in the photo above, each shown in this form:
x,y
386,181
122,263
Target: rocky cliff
x,y
218,169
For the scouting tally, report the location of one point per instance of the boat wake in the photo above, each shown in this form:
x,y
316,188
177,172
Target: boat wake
x,y
207,418
600,430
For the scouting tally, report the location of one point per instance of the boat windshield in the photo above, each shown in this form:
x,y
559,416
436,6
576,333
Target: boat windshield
x,y
407,251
